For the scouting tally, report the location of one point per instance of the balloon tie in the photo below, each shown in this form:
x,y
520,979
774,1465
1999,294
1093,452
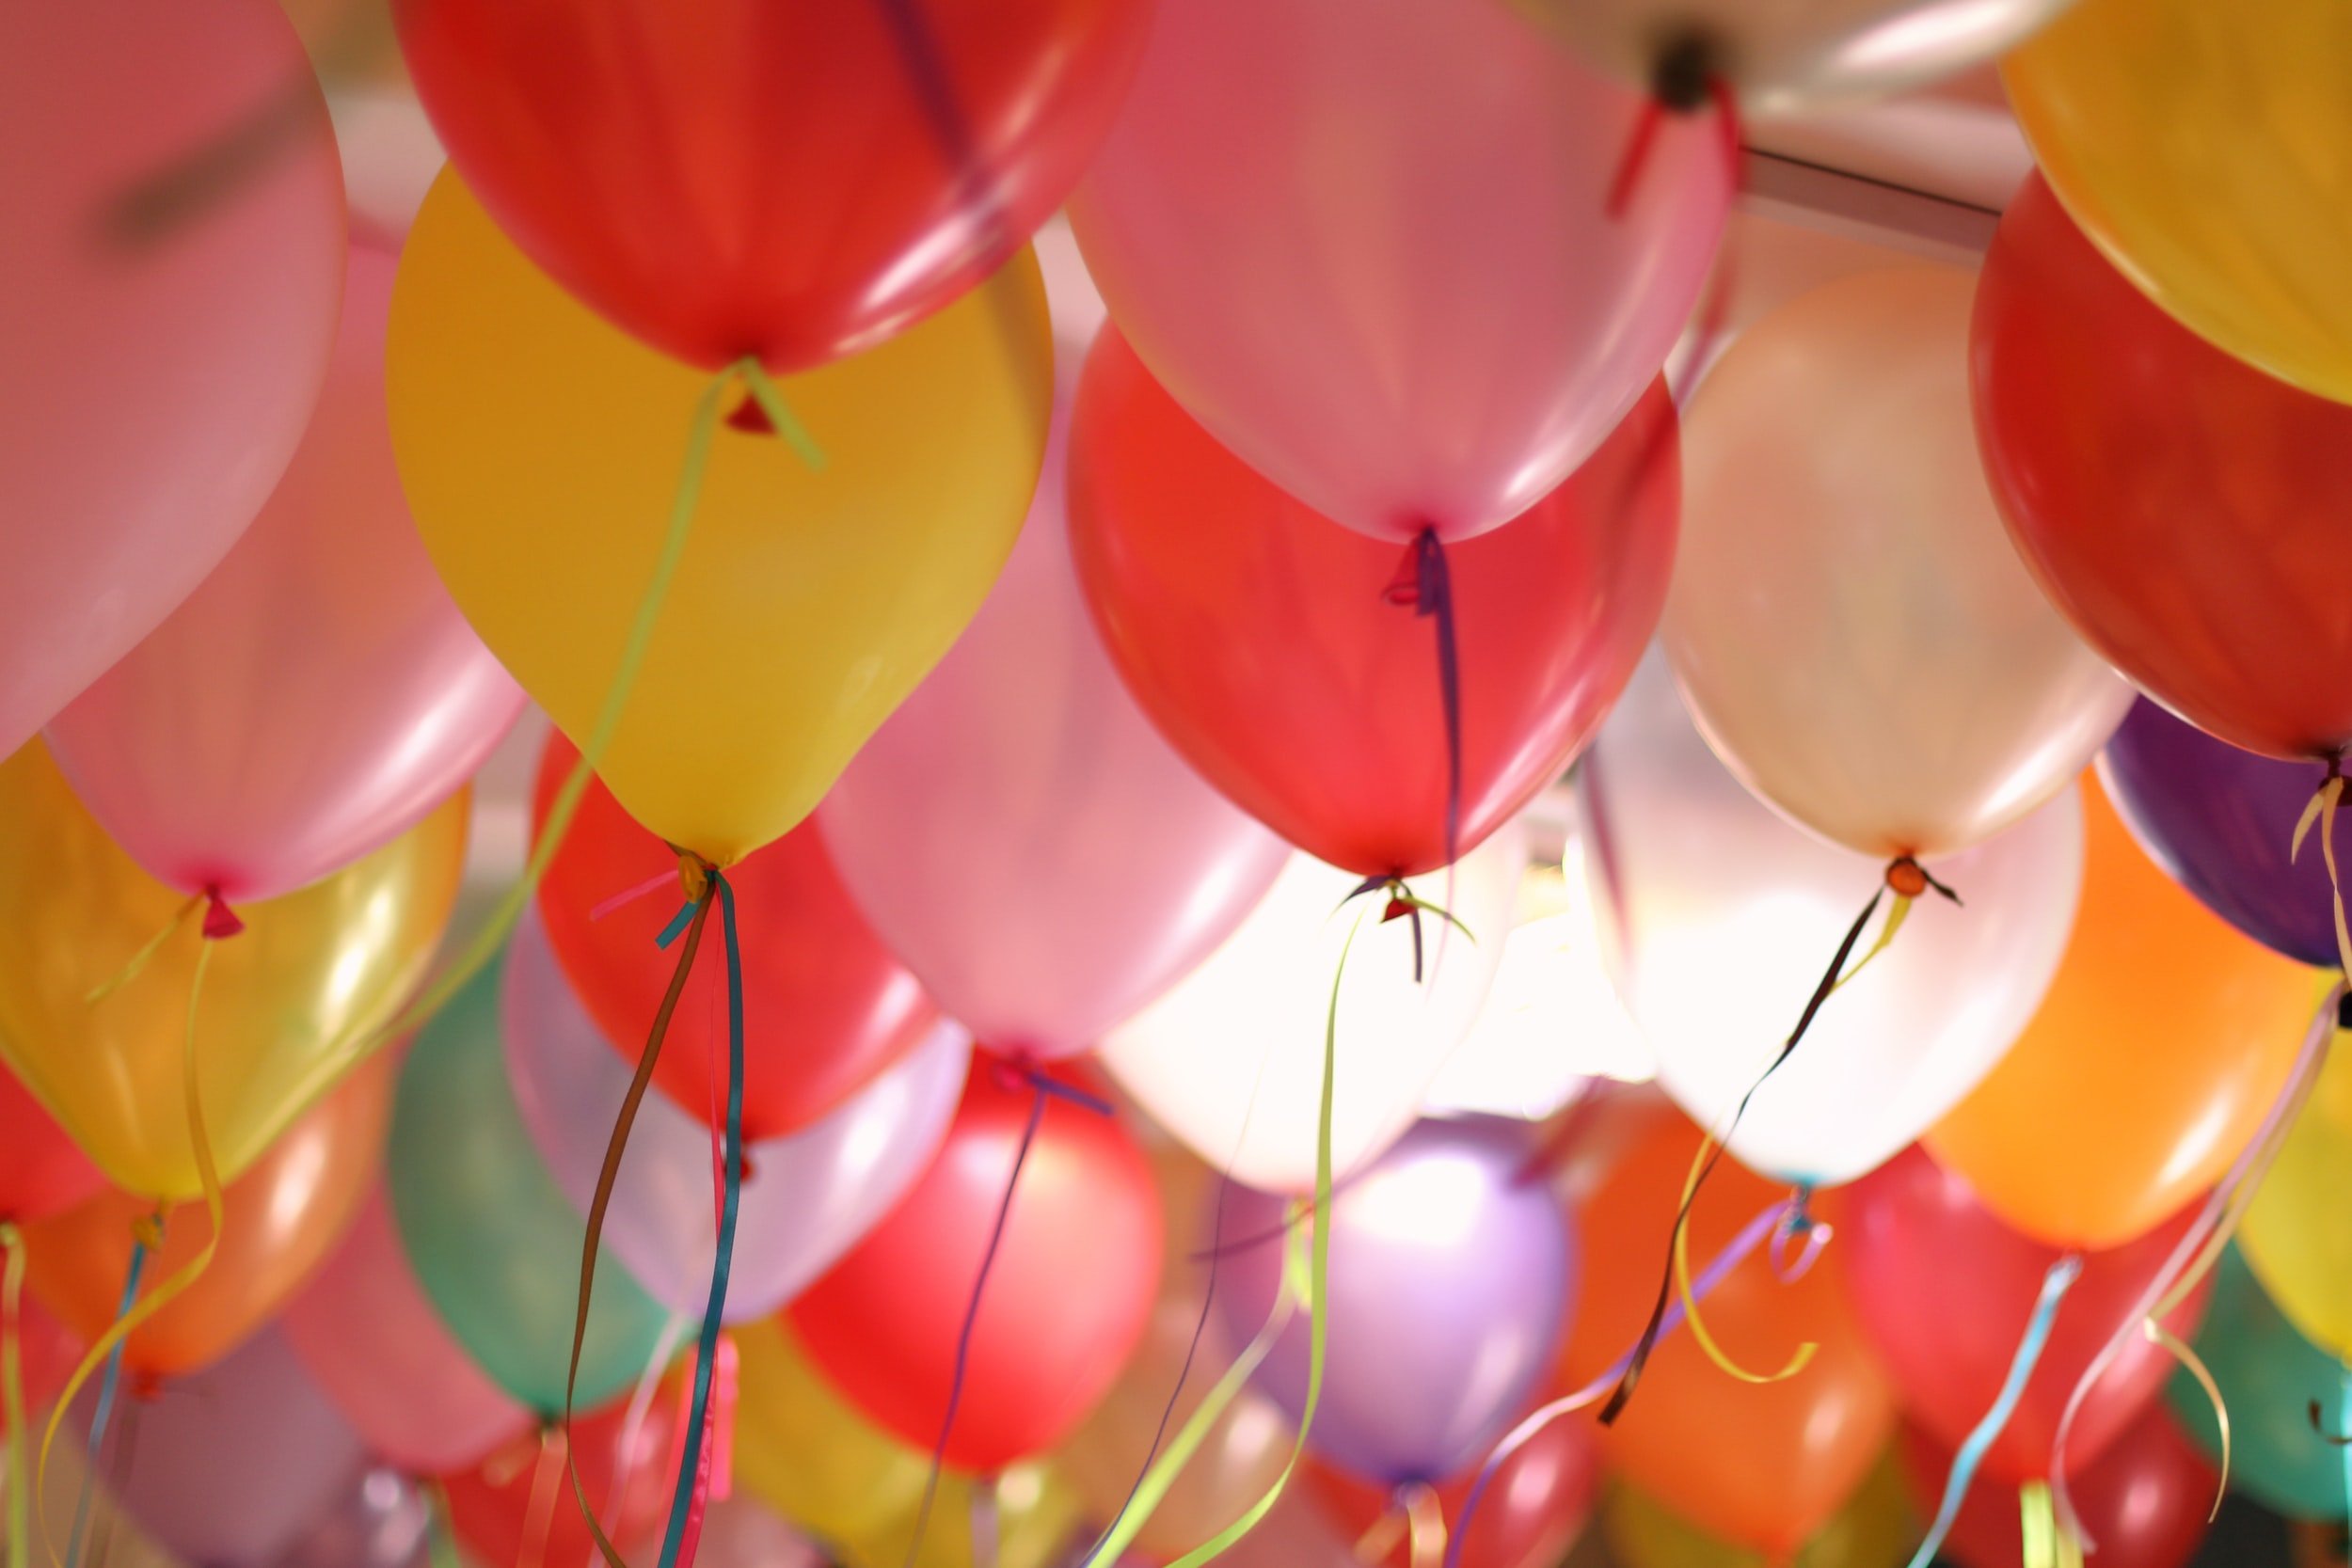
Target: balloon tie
x,y
539,1509
698,914
1403,903
764,412
2054,1284
1906,878
1800,1225
220,921
2194,1364
2322,809
12,1389
1741,1247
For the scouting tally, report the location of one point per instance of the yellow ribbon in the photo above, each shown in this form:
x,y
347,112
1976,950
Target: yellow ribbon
x,y
2196,1367
1896,915
1715,1352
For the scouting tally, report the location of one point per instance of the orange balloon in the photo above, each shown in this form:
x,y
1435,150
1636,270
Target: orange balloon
x,y
279,1221
1761,1464
2157,1051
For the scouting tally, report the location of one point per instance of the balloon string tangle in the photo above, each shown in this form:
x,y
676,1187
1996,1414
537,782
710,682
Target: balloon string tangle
x,y
12,1389
1907,879
2322,809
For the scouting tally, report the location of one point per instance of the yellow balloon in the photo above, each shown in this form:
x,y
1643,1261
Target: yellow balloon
x,y
1875,1530
541,451
2205,145
2295,1235
801,1449
313,974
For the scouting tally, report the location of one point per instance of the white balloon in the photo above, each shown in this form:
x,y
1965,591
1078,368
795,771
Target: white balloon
x,y
1231,1061
1720,917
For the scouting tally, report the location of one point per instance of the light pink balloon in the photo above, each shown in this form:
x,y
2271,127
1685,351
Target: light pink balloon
x,y
1022,837
1366,244
156,376
370,1339
320,693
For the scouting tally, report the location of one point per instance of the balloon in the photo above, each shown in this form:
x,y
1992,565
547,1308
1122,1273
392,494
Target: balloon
x,y
828,1006
1874,1529
2177,506
541,451
1704,894
1436,339
625,1468
233,1463
1791,57
803,1451
369,1338
382,1519
2294,1236
166,334
1450,1281
285,1006
1944,1289
1263,642
319,695
489,1233
1231,1061
1920,694
279,1221
41,1171
2219,202
2144,1500
2210,814
2157,1051
1763,1465
48,1350
728,181
808,1198
1531,1513
2268,1375
1075,1267
1020,833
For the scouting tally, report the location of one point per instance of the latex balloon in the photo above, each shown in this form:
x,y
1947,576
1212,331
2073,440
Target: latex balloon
x,y
280,1219
233,1463
1265,645
319,695
687,176
1921,694
2294,1235
1702,893
625,1467
2221,204
489,1233
1020,833
2268,1375
541,450
2176,504
826,1005
1763,1465
2159,1049
1944,1289
41,1171
1451,1282
168,330
1075,1268
382,1519
1875,1529
48,1352
285,1004
1437,342
372,1341
1534,1510
806,1198
2144,1501
1230,1060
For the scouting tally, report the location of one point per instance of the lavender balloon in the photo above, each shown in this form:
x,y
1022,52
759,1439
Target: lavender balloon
x,y
2220,821
1449,1286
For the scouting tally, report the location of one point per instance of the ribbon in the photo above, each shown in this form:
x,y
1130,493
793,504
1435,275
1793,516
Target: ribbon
x,y
555,1453
2054,1284
12,1388
1425,583
144,1240
1424,1526
2045,1545
2195,1365
2322,809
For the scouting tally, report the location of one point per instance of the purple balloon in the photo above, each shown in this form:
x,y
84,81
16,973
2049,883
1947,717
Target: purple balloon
x,y
2220,821
1449,1286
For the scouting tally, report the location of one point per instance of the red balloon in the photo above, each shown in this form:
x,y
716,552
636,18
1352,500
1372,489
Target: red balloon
x,y
798,182
2144,1500
1944,1291
1260,638
1531,1514
48,1352
2186,510
490,1504
1067,1299
42,1172
826,1005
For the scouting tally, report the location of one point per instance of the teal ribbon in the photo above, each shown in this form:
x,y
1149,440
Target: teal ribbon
x,y
106,1386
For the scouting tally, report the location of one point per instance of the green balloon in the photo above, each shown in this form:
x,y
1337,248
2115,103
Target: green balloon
x,y
492,1237
2268,1375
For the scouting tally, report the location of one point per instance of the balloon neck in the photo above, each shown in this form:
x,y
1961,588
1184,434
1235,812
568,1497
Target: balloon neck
x,y
220,921
1907,878
1686,71
751,418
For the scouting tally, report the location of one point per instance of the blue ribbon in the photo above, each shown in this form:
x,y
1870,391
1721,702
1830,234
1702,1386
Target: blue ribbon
x,y
106,1385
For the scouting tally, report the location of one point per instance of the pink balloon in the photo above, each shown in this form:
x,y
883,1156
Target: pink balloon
x,y
1022,837
162,355
320,693
372,1341
1368,247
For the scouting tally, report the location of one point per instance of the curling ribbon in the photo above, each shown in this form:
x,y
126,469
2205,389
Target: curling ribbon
x,y
2322,809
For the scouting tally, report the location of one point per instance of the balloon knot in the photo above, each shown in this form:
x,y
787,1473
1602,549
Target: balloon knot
x,y
1907,878
693,876
1684,74
220,921
751,418
148,1231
